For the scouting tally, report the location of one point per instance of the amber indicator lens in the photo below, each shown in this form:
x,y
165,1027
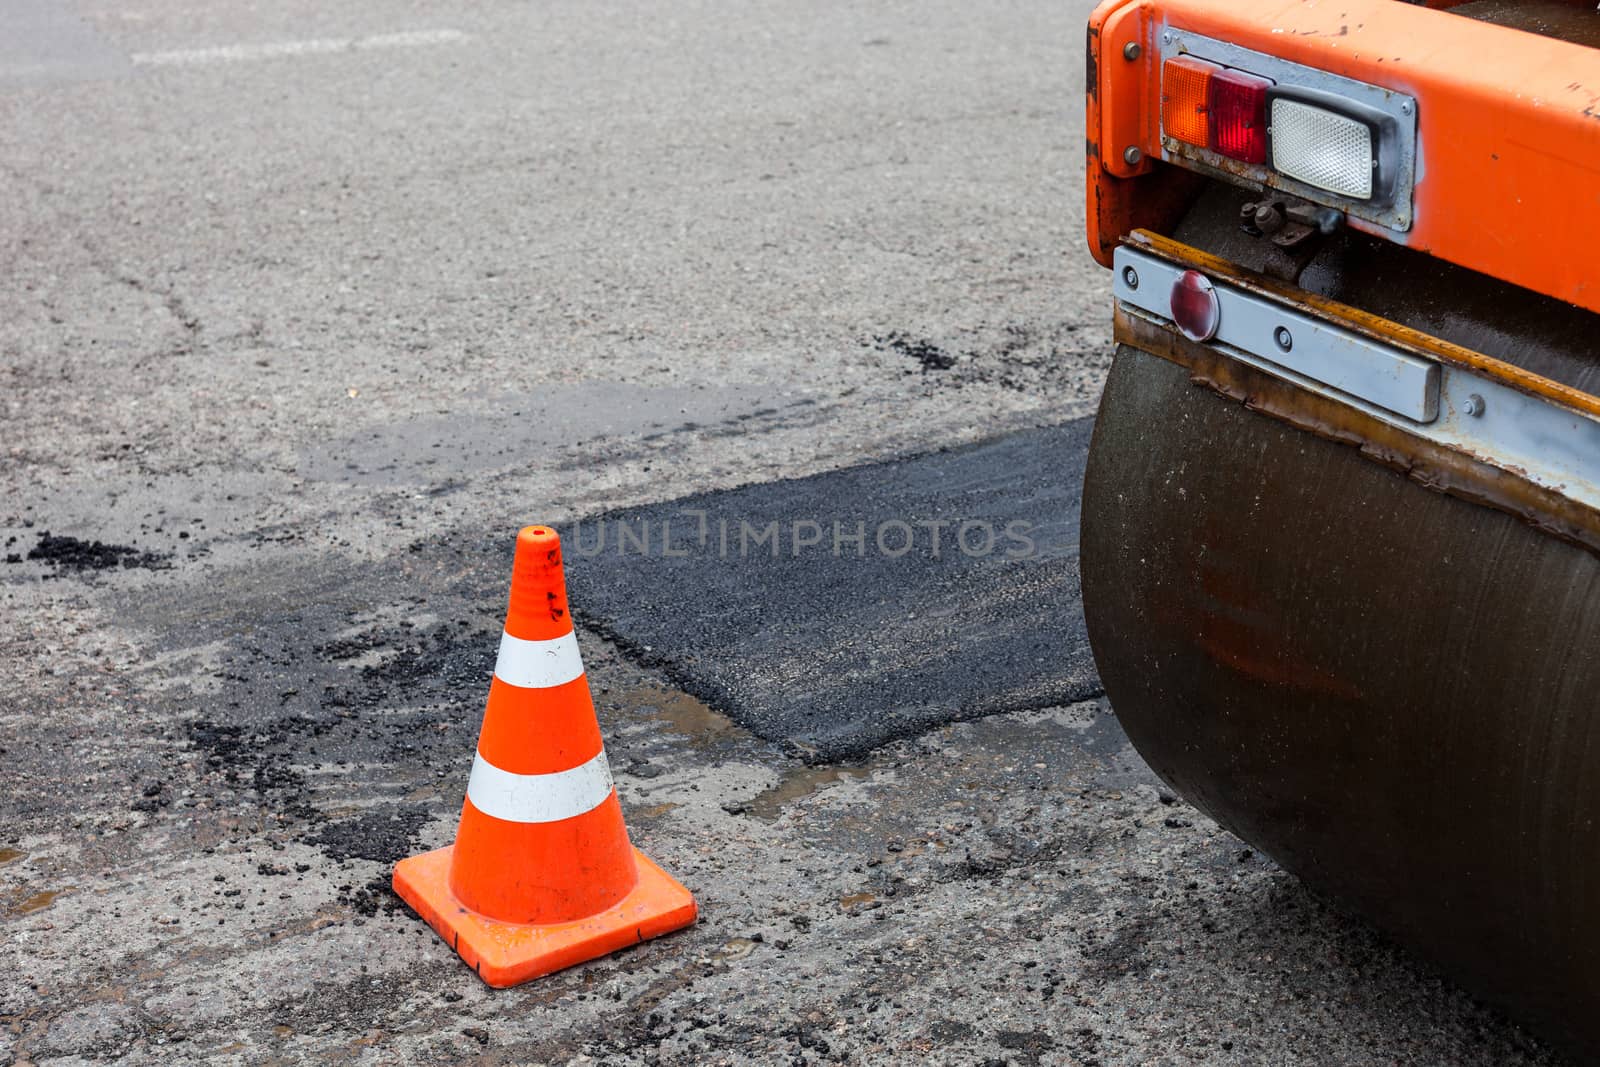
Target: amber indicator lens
x,y
1186,99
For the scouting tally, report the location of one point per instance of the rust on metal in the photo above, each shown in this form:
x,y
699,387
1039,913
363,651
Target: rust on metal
x,y
1251,643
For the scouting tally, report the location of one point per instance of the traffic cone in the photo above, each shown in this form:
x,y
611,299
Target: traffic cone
x,y
541,875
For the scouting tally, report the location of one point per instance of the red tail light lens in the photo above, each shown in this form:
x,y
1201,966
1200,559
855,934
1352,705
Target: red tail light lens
x,y
1238,115
1194,306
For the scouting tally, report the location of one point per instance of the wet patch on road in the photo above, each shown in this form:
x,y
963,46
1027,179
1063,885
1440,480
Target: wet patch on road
x,y
795,784
336,704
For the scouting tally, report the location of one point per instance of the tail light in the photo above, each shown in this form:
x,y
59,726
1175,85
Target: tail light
x,y
1239,115
1320,136
1211,106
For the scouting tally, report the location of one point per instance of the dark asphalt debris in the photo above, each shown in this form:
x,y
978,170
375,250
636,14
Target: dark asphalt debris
x,y
373,896
72,555
929,355
1024,357
385,834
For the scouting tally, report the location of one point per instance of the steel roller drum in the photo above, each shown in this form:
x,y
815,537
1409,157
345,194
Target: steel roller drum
x,y
1391,691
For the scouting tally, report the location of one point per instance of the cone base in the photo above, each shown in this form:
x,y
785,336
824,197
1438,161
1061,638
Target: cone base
x,y
506,954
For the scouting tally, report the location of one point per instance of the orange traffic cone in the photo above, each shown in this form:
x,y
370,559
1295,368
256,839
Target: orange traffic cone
x,y
541,875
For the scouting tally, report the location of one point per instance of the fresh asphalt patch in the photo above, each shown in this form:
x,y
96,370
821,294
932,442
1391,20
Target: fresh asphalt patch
x,y
836,612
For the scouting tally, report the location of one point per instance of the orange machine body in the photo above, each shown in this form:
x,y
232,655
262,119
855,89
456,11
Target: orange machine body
x,y
1507,178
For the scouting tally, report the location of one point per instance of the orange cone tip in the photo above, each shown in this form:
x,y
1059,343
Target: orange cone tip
x,y
542,875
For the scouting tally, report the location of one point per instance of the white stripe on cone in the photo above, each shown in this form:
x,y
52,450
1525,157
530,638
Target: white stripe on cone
x,y
539,797
538,664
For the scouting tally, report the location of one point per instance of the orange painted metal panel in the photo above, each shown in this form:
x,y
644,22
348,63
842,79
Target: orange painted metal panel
x,y
1123,102
1508,174
1126,103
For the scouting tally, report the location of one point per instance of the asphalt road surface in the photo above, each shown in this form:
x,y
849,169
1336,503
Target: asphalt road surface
x,y
306,308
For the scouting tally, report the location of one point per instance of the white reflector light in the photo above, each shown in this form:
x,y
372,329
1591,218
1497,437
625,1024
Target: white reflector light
x,y
1322,148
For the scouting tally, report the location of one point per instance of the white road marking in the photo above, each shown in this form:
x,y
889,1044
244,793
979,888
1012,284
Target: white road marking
x,y
189,57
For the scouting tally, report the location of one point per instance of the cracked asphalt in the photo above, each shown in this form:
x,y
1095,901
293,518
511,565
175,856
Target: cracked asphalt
x,y
306,309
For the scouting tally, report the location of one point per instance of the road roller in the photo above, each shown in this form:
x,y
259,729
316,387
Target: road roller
x,y
1341,517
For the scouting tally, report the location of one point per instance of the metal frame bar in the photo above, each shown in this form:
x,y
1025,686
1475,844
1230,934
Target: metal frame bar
x,y
1506,418
1292,343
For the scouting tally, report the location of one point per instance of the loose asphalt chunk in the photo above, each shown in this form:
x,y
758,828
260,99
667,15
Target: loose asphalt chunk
x,y
840,611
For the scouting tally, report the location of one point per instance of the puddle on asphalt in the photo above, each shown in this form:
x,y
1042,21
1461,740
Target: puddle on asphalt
x,y
684,715
654,811
856,900
798,784
680,712
734,948
37,901
10,855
